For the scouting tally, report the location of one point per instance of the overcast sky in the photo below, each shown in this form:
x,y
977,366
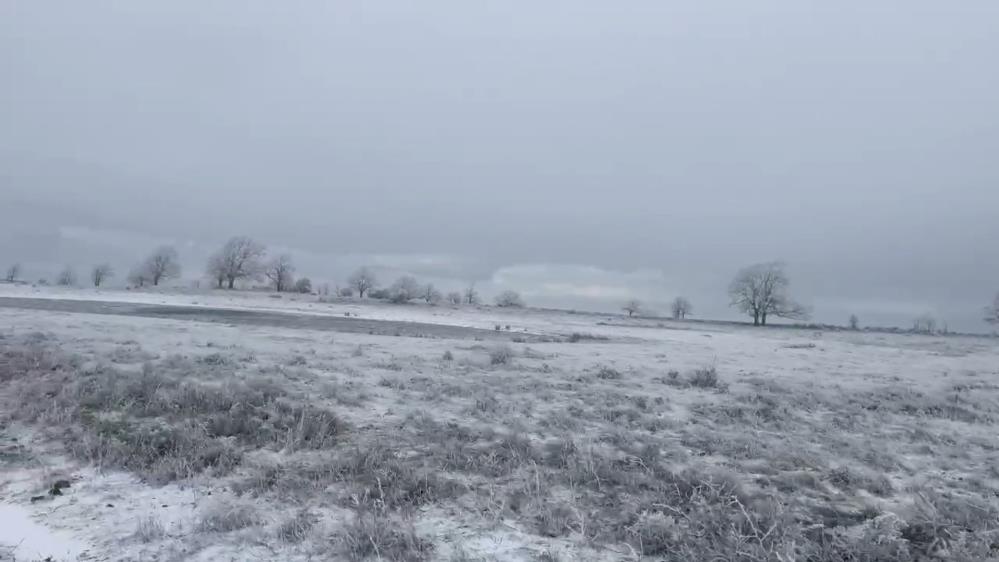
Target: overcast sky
x,y
579,151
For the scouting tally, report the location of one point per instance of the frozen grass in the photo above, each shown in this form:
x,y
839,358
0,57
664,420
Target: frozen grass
x,y
149,529
226,517
566,453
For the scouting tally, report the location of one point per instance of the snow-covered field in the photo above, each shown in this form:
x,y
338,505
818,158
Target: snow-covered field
x,y
183,440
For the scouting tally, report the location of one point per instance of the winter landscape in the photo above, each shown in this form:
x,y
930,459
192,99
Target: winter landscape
x,y
523,435
499,281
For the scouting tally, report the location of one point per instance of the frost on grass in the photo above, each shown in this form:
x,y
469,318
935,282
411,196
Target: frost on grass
x,y
225,517
580,461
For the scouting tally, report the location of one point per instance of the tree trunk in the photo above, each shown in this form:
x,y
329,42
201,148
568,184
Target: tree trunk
x,y
756,319
232,282
764,319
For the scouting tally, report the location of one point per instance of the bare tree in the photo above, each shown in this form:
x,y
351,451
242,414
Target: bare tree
x,y
101,273
238,259
681,307
454,297
13,272
471,295
139,276
925,324
761,290
431,295
363,280
405,289
66,277
162,264
216,270
992,312
509,299
854,322
280,271
632,307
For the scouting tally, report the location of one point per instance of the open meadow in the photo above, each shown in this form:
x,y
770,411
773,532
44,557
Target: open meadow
x,y
525,435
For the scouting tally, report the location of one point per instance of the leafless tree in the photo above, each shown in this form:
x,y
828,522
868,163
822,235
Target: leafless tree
x,y
363,280
761,290
101,273
992,312
162,264
509,299
925,324
681,307
66,277
303,285
454,297
632,307
431,295
139,276
280,270
854,322
216,270
238,259
13,272
471,295
405,289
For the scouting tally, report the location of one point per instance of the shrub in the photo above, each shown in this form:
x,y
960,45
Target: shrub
x,y
609,373
225,517
380,294
705,377
509,299
303,285
501,355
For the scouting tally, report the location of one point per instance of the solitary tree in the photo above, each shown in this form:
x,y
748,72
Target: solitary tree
x,y
992,312
471,295
238,259
854,322
13,272
632,307
430,294
405,289
363,280
161,265
280,271
454,297
139,276
761,290
101,273
681,307
509,299
66,277
925,324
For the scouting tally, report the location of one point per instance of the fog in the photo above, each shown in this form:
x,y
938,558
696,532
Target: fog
x,y
581,152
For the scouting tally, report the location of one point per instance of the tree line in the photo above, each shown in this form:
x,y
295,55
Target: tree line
x,y
761,291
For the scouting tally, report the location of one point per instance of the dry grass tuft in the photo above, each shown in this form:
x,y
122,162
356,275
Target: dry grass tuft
x,y
372,535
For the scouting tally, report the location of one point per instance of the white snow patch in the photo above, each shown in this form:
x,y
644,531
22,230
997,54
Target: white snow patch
x,y
22,538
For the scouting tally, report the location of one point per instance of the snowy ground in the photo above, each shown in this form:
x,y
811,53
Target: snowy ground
x,y
601,449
